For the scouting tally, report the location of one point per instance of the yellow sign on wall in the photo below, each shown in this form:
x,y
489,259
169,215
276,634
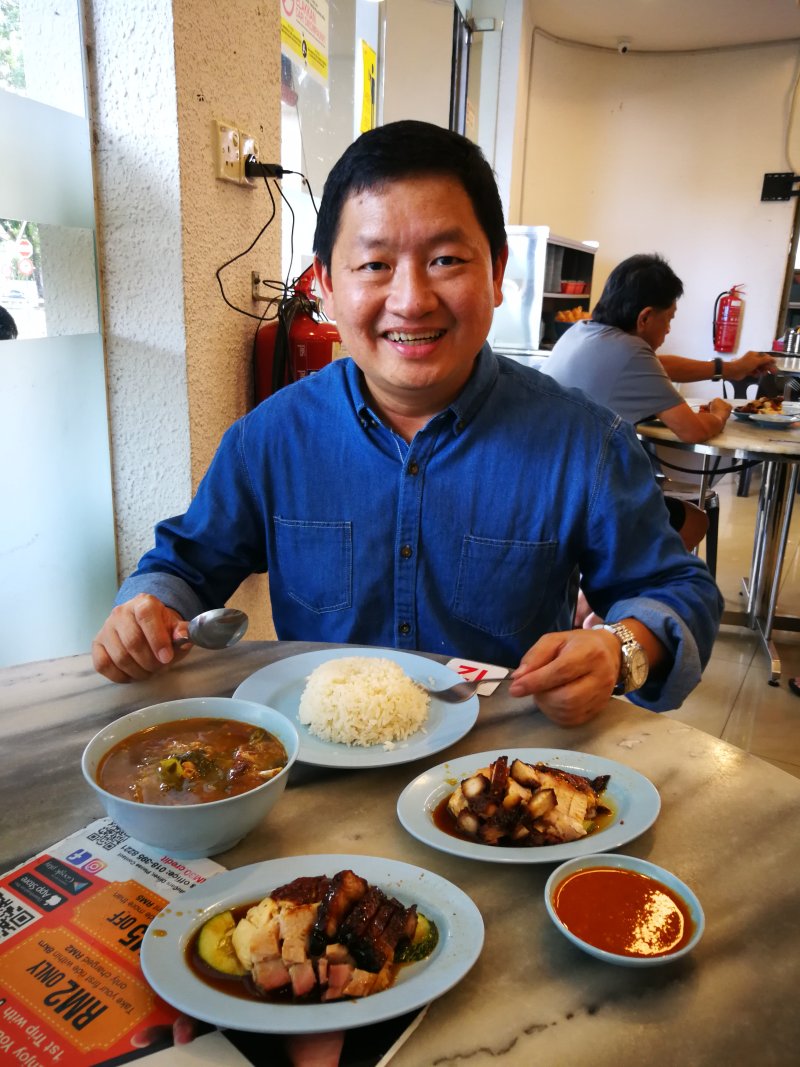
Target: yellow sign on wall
x,y
369,98
304,35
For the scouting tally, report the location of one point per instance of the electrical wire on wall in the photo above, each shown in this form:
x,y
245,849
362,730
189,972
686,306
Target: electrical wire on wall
x,y
269,172
290,296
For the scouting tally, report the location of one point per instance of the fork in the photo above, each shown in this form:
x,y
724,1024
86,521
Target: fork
x,y
461,691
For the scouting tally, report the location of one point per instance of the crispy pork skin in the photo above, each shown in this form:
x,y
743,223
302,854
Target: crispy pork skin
x,y
525,804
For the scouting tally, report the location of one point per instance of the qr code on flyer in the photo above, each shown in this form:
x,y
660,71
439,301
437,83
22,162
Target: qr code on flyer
x,y
13,915
108,837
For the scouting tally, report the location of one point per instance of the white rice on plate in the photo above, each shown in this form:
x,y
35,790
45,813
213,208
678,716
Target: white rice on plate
x,y
362,700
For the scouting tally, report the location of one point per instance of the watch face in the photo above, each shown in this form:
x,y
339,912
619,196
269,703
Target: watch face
x,y
638,666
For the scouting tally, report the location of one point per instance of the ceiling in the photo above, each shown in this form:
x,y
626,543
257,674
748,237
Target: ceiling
x,y
669,25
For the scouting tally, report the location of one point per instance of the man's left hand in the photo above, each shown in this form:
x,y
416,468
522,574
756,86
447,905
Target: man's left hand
x,y
571,674
750,365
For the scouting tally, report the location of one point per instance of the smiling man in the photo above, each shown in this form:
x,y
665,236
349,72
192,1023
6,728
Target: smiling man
x,y
425,494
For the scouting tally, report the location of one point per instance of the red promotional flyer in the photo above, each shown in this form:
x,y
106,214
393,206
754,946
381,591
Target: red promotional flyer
x,y
72,920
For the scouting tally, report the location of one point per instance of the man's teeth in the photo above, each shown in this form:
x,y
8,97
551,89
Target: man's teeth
x,y
413,338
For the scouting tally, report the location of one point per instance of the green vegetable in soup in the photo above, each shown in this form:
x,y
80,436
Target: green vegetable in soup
x,y
171,773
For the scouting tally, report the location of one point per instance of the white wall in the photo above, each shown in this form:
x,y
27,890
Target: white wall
x,y
666,153
178,359
419,45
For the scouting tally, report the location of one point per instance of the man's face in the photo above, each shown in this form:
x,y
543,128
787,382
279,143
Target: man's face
x,y
412,288
654,324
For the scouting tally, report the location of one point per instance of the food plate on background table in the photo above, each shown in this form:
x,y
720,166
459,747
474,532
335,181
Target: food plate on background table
x,y
163,952
280,685
774,421
633,799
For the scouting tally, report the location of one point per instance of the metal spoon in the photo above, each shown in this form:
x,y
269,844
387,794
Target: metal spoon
x,y
218,628
461,691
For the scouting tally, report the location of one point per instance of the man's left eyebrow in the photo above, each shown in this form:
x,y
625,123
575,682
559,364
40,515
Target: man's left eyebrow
x,y
455,233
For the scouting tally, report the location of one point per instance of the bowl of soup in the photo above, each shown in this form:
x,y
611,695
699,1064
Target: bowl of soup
x,y
192,776
624,910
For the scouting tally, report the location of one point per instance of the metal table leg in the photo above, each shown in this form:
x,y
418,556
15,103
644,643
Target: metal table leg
x,y
778,517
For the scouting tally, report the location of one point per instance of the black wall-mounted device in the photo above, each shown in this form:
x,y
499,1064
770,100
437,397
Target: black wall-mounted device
x,y
779,186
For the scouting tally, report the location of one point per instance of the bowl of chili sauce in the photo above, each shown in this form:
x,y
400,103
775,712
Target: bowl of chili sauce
x,y
624,910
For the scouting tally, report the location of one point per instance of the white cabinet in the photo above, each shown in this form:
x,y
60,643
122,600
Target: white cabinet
x,y
542,269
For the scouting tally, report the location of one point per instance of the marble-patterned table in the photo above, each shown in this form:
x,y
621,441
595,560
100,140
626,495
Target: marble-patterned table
x,y
728,826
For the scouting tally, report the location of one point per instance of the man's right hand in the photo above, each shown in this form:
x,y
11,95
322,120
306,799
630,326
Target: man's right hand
x,y
136,640
721,408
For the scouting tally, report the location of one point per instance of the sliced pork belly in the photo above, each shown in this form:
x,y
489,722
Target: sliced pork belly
x,y
525,804
344,891
271,975
295,928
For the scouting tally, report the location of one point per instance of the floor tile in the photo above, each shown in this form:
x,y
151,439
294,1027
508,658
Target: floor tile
x,y
765,719
710,705
733,700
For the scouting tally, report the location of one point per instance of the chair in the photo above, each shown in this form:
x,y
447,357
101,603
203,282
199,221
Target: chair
x,y
689,491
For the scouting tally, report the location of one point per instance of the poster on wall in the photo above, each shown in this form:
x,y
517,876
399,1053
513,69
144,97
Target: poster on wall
x,y
304,35
369,68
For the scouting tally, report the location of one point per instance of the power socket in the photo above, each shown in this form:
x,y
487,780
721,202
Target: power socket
x,y
227,151
232,147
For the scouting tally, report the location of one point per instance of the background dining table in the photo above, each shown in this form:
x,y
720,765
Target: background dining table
x,y
778,449
727,827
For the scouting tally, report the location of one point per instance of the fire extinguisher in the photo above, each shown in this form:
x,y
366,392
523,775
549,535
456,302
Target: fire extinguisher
x,y
296,342
728,309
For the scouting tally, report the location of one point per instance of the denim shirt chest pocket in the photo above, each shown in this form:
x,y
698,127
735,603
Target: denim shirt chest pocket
x,y
501,585
315,562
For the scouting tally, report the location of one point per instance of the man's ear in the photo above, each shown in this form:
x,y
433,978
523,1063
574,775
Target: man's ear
x,y
643,318
325,286
498,273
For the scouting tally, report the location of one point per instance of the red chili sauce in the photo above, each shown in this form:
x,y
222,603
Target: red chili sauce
x,y
623,912
444,821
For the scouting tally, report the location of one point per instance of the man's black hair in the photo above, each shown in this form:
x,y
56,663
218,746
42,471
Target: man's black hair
x,y
8,328
636,283
402,150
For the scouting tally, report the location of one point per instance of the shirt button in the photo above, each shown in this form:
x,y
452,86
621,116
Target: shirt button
x,y
404,628
459,425
413,467
405,551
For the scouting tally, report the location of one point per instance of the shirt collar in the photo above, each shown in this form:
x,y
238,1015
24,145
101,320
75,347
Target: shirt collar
x,y
465,406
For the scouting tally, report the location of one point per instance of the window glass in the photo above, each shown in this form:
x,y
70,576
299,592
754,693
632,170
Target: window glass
x,y
31,33
47,279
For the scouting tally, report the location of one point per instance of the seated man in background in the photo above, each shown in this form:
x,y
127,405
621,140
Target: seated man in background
x,y
426,494
612,357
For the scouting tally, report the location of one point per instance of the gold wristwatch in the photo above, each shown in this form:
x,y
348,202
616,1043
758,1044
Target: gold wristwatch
x,y
635,666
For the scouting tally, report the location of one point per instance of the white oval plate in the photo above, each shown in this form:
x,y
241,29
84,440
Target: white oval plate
x,y
782,422
281,684
163,952
633,797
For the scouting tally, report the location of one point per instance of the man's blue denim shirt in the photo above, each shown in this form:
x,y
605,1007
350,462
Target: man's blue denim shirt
x,y
461,543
